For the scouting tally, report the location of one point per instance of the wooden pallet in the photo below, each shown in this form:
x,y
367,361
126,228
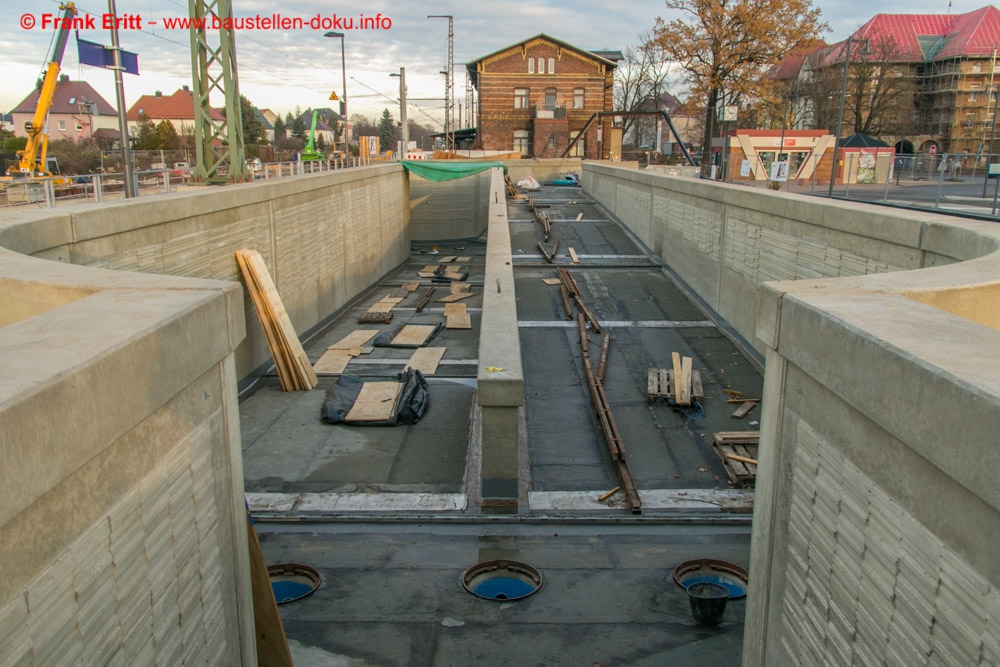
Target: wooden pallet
x,y
660,384
375,318
737,443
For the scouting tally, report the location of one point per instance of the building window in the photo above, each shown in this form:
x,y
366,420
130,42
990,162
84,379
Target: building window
x,y
62,126
541,65
552,65
550,98
578,148
79,127
552,142
531,65
973,97
521,142
578,98
977,67
520,98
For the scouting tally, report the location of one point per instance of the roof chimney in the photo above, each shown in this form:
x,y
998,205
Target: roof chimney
x,y
159,93
186,88
63,78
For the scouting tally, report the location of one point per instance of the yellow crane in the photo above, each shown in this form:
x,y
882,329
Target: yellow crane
x,y
31,161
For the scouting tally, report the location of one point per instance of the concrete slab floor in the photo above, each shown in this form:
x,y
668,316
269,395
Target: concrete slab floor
x,y
391,595
391,592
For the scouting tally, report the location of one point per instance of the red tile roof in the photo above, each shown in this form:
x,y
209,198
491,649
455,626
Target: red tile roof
x,y
179,106
927,37
791,64
66,91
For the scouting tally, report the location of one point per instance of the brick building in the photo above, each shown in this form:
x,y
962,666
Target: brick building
x,y
537,95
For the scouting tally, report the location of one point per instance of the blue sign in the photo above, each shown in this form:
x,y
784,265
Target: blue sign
x,y
98,55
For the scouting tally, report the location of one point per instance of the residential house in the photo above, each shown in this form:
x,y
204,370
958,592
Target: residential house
x,y
801,111
323,128
266,123
7,122
77,111
950,59
537,95
177,108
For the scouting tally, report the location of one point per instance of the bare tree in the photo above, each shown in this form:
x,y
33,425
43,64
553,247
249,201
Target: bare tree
x,y
640,80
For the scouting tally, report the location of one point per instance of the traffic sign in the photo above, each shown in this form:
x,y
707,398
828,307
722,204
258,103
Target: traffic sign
x,y
333,96
932,150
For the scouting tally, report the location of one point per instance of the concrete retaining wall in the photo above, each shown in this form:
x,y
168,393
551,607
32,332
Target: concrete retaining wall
x,y
122,521
876,509
325,238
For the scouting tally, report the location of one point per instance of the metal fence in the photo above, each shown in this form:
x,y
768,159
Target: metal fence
x,y
51,192
960,184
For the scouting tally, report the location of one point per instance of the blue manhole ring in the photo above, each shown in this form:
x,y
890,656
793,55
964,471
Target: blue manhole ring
x,y
711,571
292,581
501,580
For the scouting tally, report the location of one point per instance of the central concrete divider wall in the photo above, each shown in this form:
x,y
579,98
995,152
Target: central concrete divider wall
x,y
877,509
459,209
500,378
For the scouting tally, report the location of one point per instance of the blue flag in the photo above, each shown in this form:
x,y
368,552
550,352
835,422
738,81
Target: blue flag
x,y
97,55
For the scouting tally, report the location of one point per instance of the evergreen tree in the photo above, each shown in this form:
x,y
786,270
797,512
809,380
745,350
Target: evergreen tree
x,y
253,129
280,132
166,136
298,126
386,132
146,137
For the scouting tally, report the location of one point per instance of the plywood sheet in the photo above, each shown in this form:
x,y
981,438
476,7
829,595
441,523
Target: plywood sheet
x,y
333,361
551,281
454,297
375,402
463,259
413,334
426,359
454,309
356,338
385,304
460,287
445,260
459,321
412,286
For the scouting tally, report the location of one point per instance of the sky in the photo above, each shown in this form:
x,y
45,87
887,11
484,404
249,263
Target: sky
x,y
282,69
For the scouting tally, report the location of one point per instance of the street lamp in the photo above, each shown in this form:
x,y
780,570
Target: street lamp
x,y
343,100
404,133
840,111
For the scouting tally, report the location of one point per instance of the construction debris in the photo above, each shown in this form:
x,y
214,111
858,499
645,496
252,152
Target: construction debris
x,y
294,370
423,301
743,410
660,382
375,318
573,290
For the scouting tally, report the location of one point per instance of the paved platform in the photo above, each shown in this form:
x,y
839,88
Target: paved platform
x,y
390,515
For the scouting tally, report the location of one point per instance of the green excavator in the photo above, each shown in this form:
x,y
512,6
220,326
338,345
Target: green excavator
x,y
309,153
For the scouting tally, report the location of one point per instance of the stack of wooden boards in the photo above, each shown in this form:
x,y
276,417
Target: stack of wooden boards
x,y
738,452
661,384
294,370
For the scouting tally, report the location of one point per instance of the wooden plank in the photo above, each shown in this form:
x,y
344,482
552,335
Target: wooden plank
x,y
463,260
652,384
680,393
572,255
426,359
743,410
430,267
413,334
697,388
426,274
683,388
579,217
455,297
446,260
551,281
741,459
459,321
460,287
412,286
607,494
272,644
736,437
454,309
333,361
375,402
356,338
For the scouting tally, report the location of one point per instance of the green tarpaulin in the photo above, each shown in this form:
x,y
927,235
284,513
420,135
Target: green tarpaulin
x,y
447,170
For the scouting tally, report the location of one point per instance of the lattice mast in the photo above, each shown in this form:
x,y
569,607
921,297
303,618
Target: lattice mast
x,y
218,143
449,84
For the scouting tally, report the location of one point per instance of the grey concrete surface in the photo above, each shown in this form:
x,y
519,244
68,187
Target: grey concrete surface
x,y
391,595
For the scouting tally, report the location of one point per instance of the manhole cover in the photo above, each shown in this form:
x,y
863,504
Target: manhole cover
x,y
292,581
711,571
502,580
